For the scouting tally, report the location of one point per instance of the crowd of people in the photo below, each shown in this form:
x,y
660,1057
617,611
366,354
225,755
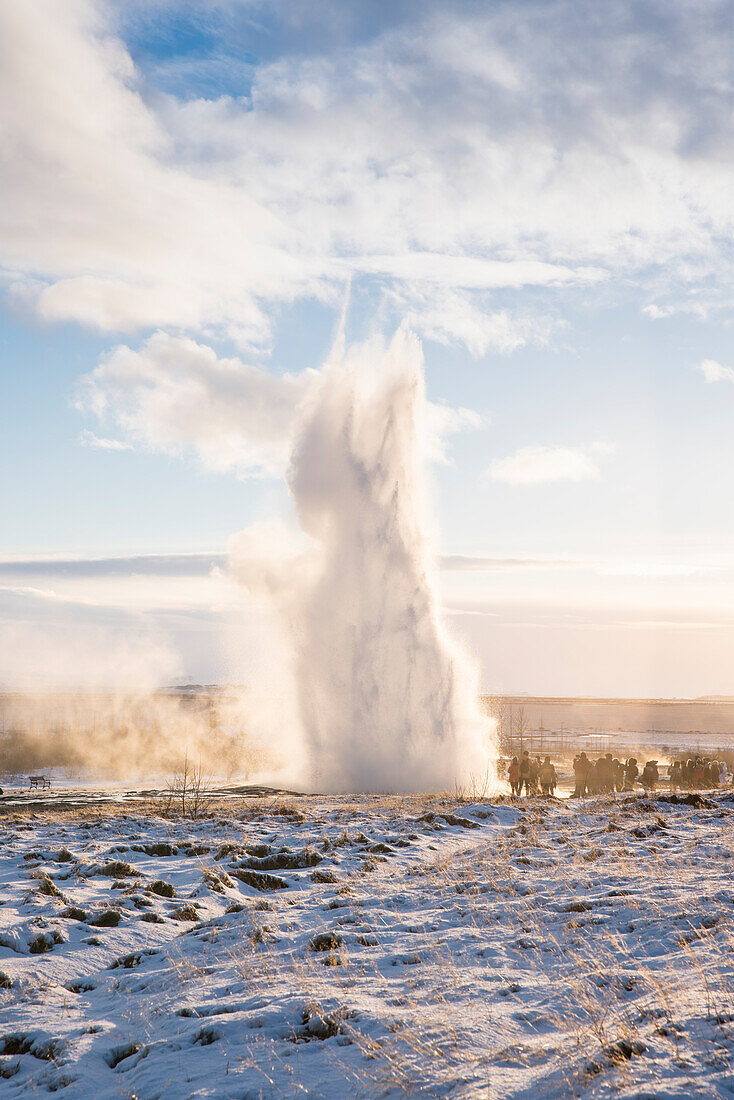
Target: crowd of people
x,y
532,775
608,775
698,773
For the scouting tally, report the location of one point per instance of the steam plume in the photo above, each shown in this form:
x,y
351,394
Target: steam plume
x,y
383,698
124,736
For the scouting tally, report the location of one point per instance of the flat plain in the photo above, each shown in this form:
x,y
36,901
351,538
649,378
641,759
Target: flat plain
x,y
293,946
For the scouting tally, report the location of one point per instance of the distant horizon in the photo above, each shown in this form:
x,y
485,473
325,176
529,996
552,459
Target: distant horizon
x,y
193,687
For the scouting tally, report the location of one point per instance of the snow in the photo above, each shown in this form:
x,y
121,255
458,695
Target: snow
x,y
369,946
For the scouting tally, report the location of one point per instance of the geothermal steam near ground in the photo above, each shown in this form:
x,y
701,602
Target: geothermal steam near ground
x,y
382,698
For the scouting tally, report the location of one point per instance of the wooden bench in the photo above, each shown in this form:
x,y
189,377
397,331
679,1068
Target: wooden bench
x,y
39,781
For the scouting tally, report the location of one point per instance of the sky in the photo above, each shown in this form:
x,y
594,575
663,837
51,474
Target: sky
x,y
192,197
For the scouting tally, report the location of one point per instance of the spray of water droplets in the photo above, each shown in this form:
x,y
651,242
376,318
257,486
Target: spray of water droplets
x,y
382,698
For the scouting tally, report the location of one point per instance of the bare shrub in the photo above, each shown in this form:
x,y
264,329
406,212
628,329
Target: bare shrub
x,y
190,791
478,788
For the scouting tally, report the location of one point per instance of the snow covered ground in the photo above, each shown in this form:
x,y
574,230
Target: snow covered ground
x,y
339,947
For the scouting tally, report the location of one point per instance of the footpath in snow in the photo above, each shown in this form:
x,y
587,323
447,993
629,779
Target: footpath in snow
x,y
363,947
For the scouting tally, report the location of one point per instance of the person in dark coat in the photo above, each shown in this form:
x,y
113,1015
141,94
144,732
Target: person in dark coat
x,y
547,776
580,771
601,772
513,774
525,770
535,766
650,775
609,774
631,771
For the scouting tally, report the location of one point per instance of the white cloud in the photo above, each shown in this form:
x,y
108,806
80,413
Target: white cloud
x,y
145,565
658,313
99,443
175,395
537,465
422,158
99,221
443,421
466,563
471,272
454,316
715,372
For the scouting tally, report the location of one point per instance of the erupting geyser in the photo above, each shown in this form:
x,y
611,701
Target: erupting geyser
x,y
384,699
